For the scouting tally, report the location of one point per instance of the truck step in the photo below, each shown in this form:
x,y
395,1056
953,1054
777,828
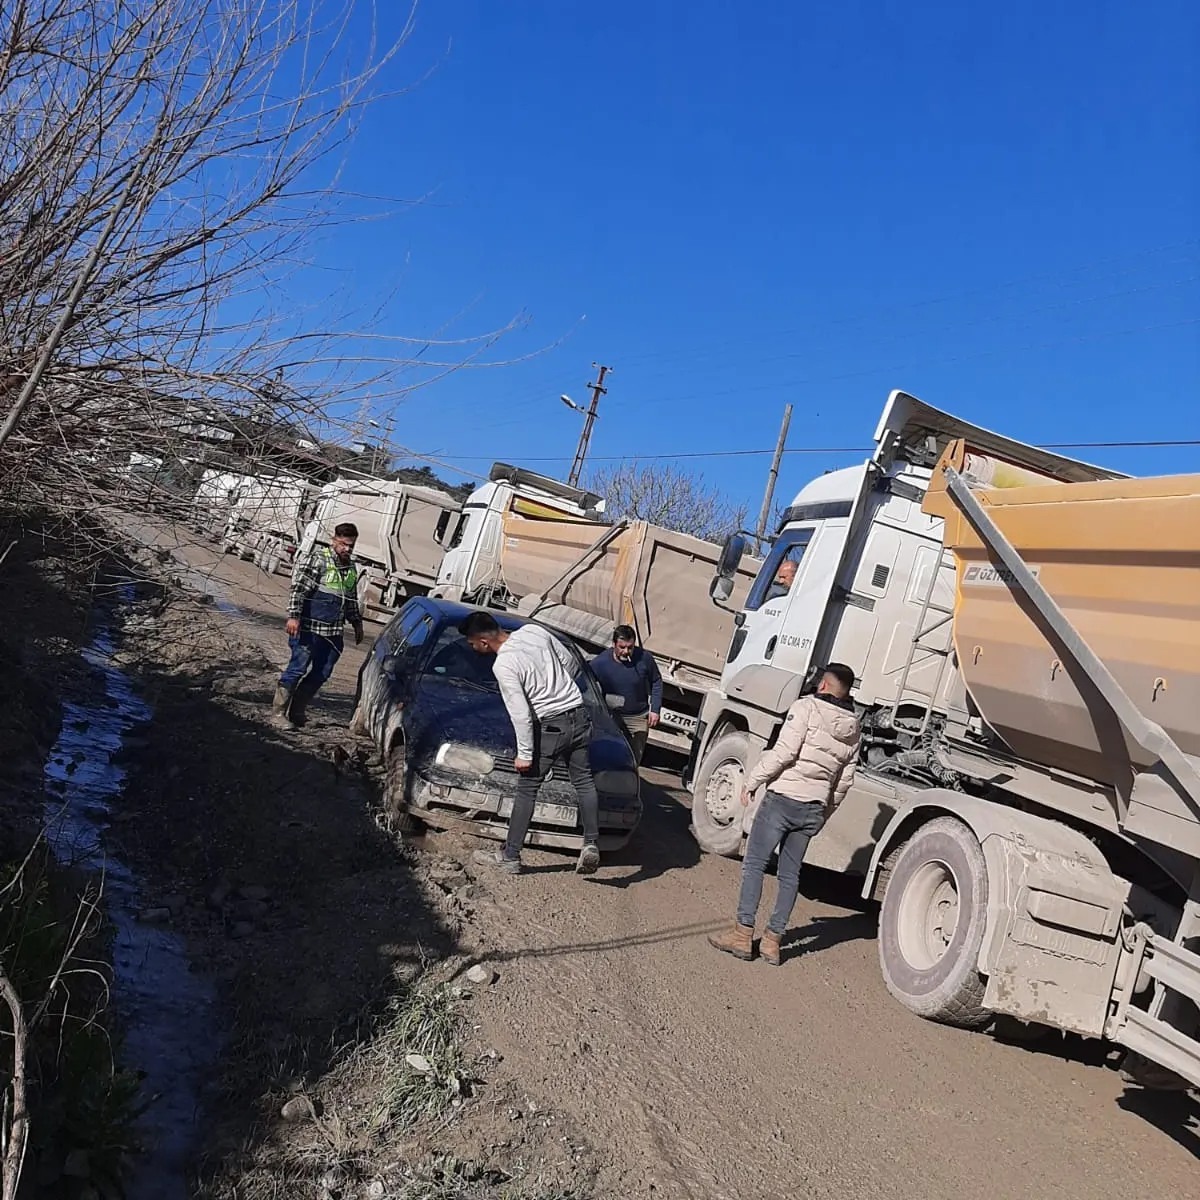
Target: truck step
x,y
1177,969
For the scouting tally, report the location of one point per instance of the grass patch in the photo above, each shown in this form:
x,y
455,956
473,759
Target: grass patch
x,y
450,1178
417,1055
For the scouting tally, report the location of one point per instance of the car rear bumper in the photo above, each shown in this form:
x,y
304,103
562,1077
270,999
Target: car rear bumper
x,y
443,805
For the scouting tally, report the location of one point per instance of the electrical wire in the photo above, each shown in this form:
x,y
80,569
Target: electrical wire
x,y
1155,444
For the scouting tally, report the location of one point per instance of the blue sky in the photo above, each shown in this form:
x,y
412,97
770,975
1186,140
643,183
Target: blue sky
x,y
994,207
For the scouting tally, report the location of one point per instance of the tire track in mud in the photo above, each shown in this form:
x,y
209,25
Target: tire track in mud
x,y
706,1078
615,1082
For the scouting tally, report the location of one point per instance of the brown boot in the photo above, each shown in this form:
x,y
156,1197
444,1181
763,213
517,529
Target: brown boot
x,y
768,948
739,942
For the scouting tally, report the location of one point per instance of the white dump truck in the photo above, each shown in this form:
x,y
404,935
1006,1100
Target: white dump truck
x,y
540,548
266,519
401,528
216,495
472,569
1023,631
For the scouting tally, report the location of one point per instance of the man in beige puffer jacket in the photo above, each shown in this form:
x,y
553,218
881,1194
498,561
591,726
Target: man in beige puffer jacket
x,y
809,770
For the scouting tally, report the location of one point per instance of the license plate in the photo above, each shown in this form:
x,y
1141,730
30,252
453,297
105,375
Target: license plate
x,y
680,721
545,814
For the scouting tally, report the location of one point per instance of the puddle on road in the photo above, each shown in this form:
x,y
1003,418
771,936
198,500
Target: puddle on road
x,y
166,1011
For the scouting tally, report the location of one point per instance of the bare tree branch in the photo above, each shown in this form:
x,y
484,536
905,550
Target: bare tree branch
x,y
667,495
16,1126
164,165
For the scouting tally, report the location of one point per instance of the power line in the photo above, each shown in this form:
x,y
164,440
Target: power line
x,y
1157,444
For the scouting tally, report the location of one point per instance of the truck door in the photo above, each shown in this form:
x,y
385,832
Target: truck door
x,y
782,620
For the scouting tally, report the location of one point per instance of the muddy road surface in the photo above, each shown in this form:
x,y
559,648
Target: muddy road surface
x,y
693,1075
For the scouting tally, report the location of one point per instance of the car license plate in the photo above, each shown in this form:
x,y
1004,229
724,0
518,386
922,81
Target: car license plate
x,y
546,814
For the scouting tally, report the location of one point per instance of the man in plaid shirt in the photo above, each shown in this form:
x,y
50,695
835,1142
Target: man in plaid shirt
x,y
324,600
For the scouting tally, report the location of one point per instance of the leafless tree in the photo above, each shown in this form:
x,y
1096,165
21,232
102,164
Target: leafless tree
x,y
160,160
667,495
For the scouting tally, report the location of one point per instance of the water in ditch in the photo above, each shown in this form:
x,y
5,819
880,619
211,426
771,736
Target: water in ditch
x,y
166,1011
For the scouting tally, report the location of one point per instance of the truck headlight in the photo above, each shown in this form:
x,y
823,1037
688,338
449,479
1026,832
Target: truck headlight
x,y
465,759
617,783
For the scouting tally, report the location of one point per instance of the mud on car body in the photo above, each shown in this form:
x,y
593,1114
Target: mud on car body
x,y
432,706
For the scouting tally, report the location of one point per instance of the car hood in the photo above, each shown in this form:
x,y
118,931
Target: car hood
x,y
442,711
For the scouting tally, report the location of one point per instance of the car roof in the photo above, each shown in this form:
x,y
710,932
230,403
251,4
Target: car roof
x,y
453,611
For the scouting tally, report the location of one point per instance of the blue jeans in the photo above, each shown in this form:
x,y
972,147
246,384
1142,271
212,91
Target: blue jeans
x,y
790,825
313,658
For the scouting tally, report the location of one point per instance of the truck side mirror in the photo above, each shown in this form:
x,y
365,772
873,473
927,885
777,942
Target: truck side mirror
x,y
442,526
732,554
720,589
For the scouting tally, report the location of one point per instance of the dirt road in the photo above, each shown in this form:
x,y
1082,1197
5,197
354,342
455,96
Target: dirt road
x,y
694,1075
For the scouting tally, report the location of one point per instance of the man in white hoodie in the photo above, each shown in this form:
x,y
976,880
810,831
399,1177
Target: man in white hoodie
x,y
808,771
536,674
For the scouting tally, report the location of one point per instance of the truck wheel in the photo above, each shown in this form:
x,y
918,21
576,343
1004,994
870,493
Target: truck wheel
x,y
717,795
395,793
931,925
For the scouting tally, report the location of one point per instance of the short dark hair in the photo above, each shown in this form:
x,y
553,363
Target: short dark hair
x,y
345,529
479,624
624,633
842,674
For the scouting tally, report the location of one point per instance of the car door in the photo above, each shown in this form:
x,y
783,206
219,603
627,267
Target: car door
x,y
779,626
396,658
376,675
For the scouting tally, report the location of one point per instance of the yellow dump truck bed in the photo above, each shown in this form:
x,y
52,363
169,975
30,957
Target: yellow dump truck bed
x,y
645,576
1121,558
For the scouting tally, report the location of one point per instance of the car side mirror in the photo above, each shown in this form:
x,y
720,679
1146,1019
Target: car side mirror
x,y
614,702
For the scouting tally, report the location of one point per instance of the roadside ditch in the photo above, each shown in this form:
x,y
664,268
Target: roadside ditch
x,y
347,1062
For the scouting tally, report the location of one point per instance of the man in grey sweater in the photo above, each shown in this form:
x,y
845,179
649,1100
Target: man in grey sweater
x,y
536,674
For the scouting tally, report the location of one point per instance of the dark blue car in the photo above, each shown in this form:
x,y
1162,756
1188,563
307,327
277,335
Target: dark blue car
x,y
432,706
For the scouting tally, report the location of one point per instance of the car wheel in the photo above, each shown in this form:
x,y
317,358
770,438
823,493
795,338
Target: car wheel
x,y
931,925
395,794
717,810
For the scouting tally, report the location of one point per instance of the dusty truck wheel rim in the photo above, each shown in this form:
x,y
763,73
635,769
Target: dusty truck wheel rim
x,y
722,797
928,915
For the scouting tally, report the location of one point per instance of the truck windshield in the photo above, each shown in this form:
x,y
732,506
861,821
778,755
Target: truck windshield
x,y
778,574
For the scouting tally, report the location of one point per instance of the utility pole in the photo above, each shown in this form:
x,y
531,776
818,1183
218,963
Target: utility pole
x,y
598,390
765,515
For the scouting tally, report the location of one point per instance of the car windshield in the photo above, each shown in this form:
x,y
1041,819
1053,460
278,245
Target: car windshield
x,y
450,658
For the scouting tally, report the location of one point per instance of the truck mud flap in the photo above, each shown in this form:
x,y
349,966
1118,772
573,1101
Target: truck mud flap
x,y
1167,1034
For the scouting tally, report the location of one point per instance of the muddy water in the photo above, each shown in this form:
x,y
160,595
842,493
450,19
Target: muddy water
x,y
166,1011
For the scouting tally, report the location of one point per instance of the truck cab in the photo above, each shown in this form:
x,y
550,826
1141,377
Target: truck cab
x,y
470,569
872,588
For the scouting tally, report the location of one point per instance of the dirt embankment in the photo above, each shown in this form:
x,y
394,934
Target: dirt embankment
x,y
348,1061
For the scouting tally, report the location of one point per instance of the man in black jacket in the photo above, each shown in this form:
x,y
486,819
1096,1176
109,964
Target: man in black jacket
x,y
628,671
